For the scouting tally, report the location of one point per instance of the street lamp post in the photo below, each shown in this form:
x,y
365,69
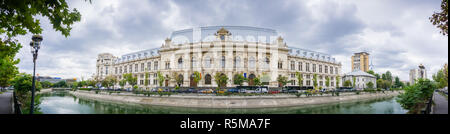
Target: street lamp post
x,y
34,45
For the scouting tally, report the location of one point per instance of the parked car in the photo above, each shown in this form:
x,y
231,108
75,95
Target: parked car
x,y
233,90
153,90
242,90
250,91
274,92
207,91
262,90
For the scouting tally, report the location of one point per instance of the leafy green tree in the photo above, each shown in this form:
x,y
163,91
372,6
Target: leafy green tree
x,y
221,80
22,86
282,80
197,77
380,83
299,78
109,81
130,79
239,79
415,96
61,84
178,78
347,83
371,72
122,83
327,82
146,82
440,20
315,81
354,82
46,84
18,17
161,78
439,77
370,85
397,82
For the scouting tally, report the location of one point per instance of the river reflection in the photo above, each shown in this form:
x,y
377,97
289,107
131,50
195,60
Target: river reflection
x,y
64,103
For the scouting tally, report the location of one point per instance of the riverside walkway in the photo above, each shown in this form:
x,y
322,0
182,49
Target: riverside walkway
x,y
6,103
441,104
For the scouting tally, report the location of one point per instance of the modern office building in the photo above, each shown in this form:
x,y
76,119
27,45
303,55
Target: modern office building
x,y
417,73
228,50
360,61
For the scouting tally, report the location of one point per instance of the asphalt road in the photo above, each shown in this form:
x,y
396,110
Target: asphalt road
x,y
6,103
441,104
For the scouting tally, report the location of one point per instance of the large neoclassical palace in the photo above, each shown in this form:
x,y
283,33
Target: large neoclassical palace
x,y
229,50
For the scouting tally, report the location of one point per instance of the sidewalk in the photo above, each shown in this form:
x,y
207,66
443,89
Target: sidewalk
x,y
6,103
441,104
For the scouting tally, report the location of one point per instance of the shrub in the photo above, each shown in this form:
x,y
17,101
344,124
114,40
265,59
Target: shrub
x,y
337,93
357,92
298,95
86,89
96,92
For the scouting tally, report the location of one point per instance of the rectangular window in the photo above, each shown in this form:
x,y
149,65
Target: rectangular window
x,y
156,66
125,69
326,69
320,68
336,69
307,67
314,67
120,70
136,68
300,66
106,70
292,65
331,70
149,66
115,70
131,68
142,67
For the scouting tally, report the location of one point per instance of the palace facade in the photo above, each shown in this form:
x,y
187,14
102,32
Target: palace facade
x,y
229,50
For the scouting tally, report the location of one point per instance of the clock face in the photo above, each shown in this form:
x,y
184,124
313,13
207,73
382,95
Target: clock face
x,y
222,37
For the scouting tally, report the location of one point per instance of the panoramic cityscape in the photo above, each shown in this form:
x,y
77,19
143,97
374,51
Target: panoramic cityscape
x,y
230,57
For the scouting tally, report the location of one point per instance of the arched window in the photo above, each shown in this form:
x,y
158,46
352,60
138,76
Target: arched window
x,y
237,62
222,62
252,62
180,63
208,62
208,79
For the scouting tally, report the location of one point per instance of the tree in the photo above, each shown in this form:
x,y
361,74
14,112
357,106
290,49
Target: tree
x,y
178,78
46,84
197,77
397,82
239,79
146,82
8,64
109,81
354,82
440,20
371,72
440,79
415,96
389,76
327,82
221,80
282,80
161,79
347,83
122,83
22,86
130,79
299,78
61,84
380,83
370,85
315,81
18,17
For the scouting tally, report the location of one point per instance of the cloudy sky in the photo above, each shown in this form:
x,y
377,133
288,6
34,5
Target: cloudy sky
x,y
397,33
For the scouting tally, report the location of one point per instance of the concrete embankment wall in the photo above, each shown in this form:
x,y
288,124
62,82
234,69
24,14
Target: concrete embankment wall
x,y
231,101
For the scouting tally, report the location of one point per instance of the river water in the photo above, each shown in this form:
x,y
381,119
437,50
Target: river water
x,y
58,102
